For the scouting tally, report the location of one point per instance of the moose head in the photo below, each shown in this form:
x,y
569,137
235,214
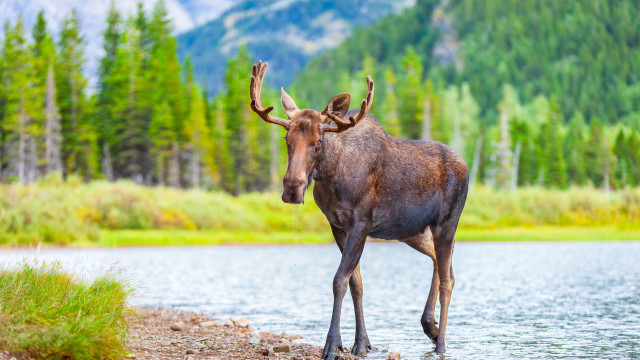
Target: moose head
x,y
305,131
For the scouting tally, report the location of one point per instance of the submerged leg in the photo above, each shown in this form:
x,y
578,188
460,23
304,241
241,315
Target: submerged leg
x,y
424,244
444,238
350,256
361,345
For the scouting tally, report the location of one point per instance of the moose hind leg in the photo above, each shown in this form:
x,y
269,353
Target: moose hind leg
x,y
424,244
428,319
444,238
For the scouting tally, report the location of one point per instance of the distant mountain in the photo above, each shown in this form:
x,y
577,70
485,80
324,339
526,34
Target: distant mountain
x,y
284,32
185,15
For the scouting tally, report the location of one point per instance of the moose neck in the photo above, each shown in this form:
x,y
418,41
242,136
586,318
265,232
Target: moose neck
x,y
329,157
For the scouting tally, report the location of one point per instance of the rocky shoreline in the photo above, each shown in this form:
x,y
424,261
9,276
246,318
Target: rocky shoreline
x,y
169,334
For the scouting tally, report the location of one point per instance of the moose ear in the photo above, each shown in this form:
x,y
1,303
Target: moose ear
x,y
338,106
290,107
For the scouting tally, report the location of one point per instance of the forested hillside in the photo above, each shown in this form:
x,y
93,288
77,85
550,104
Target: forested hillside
x,y
286,33
530,92
150,121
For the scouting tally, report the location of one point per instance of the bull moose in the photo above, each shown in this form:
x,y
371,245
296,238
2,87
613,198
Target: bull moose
x,y
369,183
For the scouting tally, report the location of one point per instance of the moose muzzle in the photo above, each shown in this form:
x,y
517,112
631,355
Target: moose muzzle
x,y
294,190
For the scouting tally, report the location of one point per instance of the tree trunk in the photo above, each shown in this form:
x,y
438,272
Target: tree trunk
x,y
160,167
52,128
106,164
426,119
174,166
195,167
476,164
22,140
514,167
503,151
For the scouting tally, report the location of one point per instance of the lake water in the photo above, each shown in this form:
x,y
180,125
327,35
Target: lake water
x,y
511,300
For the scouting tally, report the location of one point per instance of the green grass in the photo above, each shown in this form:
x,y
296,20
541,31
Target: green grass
x,y
48,314
113,238
54,212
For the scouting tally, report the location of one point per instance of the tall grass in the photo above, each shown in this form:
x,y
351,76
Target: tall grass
x,y
52,211
47,314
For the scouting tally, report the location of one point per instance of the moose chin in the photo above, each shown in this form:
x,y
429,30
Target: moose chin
x,y
368,183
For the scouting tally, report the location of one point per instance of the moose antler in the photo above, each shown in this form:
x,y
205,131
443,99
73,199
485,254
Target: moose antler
x,y
257,76
342,125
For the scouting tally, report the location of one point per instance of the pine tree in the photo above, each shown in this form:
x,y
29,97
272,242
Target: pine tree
x,y
410,95
556,175
162,137
21,106
198,137
390,117
79,147
221,153
163,78
236,119
128,119
574,149
106,97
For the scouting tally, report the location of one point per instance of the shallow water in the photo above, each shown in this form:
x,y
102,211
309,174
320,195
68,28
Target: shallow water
x,y
511,300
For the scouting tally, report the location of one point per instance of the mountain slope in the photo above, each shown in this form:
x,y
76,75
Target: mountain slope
x,y
585,54
285,32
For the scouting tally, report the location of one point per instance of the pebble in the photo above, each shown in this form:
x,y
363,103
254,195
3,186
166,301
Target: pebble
x,y
282,347
254,340
244,323
191,351
210,323
130,356
228,323
190,358
179,326
267,352
394,356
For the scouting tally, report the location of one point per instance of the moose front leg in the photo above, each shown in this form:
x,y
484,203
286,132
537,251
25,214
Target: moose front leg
x,y
361,345
350,257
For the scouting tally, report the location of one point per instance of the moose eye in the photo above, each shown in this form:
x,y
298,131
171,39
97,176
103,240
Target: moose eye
x,y
318,144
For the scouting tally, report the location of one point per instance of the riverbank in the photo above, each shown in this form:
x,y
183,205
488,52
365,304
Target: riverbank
x,y
135,238
171,334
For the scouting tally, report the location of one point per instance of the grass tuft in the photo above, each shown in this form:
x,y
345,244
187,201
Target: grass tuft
x,y
48,314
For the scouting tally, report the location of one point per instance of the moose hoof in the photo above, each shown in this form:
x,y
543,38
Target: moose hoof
x,y
440,348
431,330
361,347
332,349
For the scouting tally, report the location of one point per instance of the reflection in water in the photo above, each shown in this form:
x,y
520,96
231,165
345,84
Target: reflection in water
x,y
511,300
